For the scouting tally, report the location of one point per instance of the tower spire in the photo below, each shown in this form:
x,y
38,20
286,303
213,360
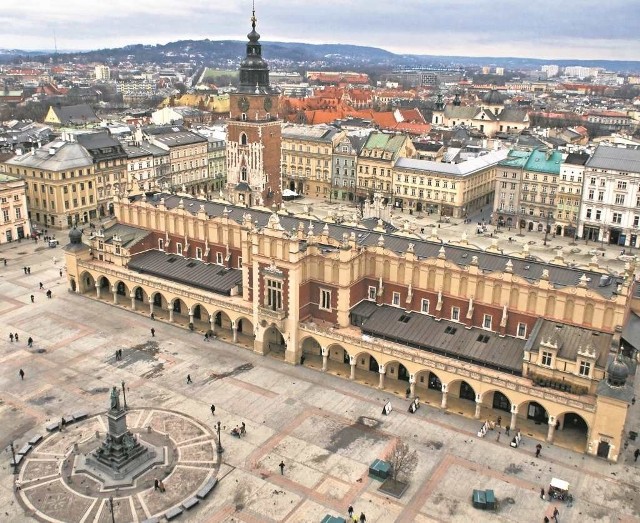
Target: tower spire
x,y
253,16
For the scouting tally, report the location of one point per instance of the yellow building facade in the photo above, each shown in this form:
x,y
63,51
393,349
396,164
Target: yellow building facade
x,y
61,184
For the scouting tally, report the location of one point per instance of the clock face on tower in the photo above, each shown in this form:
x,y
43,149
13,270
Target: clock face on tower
x,y
268,104
243,104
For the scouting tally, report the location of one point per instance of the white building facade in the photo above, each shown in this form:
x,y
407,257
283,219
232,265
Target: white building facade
x,y
610,211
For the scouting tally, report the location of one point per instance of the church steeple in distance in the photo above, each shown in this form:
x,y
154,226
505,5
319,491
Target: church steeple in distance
x,y
254,71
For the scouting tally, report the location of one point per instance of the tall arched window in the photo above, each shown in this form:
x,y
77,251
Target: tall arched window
x,y
243,139
243,174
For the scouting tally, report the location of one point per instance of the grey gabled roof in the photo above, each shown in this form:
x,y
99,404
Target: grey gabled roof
x,y
615,158
443,337
195,273
572,339
79,114
55,156
128,235
559,275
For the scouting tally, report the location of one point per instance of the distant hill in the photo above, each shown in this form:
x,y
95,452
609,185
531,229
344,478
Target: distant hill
x,y
295,54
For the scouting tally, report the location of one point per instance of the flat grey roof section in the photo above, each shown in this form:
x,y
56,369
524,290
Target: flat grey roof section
x,y
631,331
615,158
531,269
443,337
195,273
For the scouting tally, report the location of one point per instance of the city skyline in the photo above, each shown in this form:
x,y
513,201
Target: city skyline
x,y
427,27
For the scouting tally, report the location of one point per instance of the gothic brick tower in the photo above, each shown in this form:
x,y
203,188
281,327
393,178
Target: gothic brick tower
x,y
254,133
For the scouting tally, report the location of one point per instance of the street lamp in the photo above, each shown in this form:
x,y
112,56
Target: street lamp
x,y
113,517
219,446
546,230
124,395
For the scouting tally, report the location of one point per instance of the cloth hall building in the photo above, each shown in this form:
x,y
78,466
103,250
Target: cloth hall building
x,y
473,331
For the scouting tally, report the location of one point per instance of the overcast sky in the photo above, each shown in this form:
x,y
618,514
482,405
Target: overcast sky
x,y
582,29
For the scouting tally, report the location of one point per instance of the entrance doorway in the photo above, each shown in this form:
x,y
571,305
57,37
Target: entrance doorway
x,y
603,449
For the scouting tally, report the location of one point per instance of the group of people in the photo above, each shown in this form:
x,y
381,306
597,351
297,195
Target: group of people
x,y
239,431
355,518
158,485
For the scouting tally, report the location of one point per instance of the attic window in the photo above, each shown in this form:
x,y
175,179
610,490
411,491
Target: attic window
x,y
482,338
404,318
191,264
172,259
450,330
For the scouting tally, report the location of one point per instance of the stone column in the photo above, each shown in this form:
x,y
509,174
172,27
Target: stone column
x,y
234,330
352,362
97,290
382,371
443,403
325,358
133,301
514,417
412,386
171,312
212,323
115,295
191,317
478,407
150,307
552,429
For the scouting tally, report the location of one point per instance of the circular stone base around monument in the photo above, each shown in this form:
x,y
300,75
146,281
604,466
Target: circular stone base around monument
x,y
52,490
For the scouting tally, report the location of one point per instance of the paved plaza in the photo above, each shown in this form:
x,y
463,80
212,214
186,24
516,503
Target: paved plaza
x,y
326,429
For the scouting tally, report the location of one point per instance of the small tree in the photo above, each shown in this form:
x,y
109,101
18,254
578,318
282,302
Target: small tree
x,y
403,461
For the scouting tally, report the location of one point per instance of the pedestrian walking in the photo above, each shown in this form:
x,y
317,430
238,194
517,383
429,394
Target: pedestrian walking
x,y
363,518
636,454
153,316
28,270
33,298
41,285
153,332
161,486
556,513
156,484
350,511
189,378
213,409
24,269
11,336
538,449
30,342
49,294
16,336
61,273
5,262
243,429
117,354
542,493
206,336
21,372
546,519
499,421
281,468
120,354
507,430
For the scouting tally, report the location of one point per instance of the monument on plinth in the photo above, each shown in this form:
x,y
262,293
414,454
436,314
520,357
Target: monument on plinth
x,y
122,456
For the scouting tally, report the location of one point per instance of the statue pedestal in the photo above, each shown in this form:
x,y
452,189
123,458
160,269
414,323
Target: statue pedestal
x,y
121,457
